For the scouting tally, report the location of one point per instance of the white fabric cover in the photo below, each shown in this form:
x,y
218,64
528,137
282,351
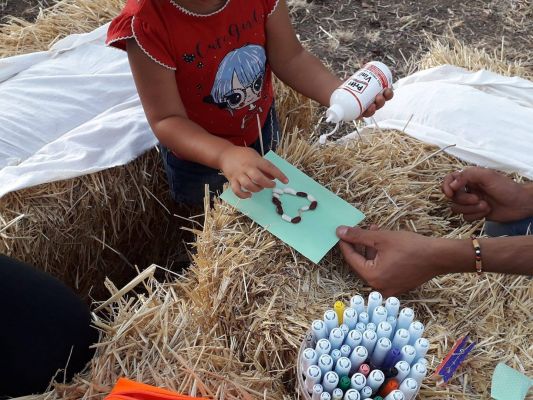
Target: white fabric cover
x,y
488,117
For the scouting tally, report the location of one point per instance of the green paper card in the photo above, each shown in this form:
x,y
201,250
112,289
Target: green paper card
x,y
315,235
509,384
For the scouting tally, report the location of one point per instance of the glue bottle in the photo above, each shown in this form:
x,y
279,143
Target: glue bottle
x,y
354,96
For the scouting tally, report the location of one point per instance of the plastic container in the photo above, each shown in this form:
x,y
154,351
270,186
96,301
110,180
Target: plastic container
x,y
354,96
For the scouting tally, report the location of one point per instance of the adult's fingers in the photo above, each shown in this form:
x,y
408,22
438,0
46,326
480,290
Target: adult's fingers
x,y
464,198
379,101
474,217
260,179
357,236
473,176
353,258
446,189
236,187
267,167
248,185
481,208
371,252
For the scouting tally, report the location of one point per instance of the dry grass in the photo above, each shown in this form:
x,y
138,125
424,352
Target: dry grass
x,y
231,327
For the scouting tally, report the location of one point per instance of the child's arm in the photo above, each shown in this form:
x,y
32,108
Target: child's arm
x,y
300,69
159,94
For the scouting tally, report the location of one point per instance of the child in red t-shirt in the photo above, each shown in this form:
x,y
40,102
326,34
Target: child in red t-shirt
x,y
203,72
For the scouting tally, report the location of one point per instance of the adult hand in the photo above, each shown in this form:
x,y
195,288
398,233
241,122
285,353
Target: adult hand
x,y
248,172
379,102
484,193
394,262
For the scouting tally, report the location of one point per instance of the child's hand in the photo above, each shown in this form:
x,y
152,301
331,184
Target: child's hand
x,y
248,172
379,102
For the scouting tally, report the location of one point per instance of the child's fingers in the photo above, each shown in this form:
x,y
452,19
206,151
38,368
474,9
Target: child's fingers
x,y
261,179
236,187
248,185
267,167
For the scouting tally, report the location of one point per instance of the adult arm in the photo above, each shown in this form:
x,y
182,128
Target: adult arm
x,y
398,261
298,68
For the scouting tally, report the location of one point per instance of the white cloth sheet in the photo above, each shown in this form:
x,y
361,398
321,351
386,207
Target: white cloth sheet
x,y
68,112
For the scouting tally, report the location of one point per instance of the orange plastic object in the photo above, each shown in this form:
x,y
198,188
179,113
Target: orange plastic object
x,y
389,386
130,390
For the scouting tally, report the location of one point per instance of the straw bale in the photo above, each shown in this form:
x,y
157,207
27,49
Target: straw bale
x,y
231,326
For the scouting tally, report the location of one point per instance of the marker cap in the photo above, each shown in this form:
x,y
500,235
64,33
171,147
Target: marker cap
x,y
418,373
345,350
352,394
325,363
317,391
416,329
408,354
337,394
401,338
364,369
389,386
374,300
331,320
358,381
336,338
375,379
325,396
318,327
383,346
366,392
360,327
403,370
323,346
364,317
384,330
345,383
335,355
369,340
392,305
395,395
330,381
421,346
379,315
309,357
358,304
339,307
405,318
358,357
343,366
350,317
409,387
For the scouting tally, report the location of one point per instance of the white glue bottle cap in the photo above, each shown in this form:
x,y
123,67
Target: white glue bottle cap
x,y
334,113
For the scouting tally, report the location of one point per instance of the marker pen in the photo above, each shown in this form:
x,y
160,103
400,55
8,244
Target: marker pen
x,y
423,361
352,394
393,321
335,355
395,395
364,317
408,354
416,329
318,327
418,373
405,318
374,300
392,357
317,391
337,394
358,381
389,386
360,327
392,305
366,392
390,373
343,366
331,320
358,304
371,327
309,357
323,346
401,338
312,377
345,383
358,357
344,328
409,388
403,370
350,317
330,381
364,369
325,363
383,346
369,340
325,396
336,338
384,330
345,350
421,346
339,307
375,379
379,315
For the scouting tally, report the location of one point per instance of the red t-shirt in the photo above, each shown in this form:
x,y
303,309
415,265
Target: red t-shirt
x,y
219,59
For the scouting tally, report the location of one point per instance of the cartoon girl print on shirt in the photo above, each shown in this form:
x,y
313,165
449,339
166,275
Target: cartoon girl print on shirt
x,y
239,81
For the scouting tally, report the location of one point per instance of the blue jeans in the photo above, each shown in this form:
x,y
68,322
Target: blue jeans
x,y
187,179
516,228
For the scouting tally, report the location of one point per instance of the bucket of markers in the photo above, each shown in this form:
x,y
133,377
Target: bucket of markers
x,y
357,351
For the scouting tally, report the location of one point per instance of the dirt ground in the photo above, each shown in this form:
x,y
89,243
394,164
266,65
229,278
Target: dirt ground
x,y
347,33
